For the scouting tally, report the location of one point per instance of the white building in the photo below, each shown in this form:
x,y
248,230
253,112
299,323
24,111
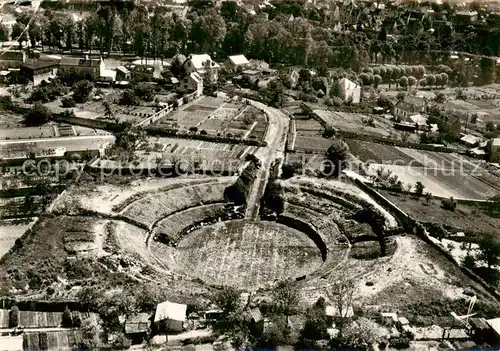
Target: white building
x,y
236,61
350,91
174,315
193,82
204,66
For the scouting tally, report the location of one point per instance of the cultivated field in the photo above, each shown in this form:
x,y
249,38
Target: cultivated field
x,y
371,125
215,116
247,254
443,174
10,230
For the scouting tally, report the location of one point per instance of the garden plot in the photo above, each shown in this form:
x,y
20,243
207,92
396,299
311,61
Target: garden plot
x,y
247,254
10,230
379,153
317,145
47,131
308,126
466,217
441,182
355,123
201,149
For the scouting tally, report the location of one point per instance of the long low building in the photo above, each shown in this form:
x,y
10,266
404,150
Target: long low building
x,y
20,149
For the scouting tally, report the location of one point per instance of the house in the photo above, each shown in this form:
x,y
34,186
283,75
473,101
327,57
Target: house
x,y
122,74
409,106
494,150
236,61
106,76
419,120
137,326
470,140
171,315
349,91
87,67
192,82
333,311
204,66
39,71
12,59
495,326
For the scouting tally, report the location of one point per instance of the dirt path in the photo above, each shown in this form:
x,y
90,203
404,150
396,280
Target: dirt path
x,y
278,123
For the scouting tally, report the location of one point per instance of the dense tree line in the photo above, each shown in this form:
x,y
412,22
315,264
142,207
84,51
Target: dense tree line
x,y
289,33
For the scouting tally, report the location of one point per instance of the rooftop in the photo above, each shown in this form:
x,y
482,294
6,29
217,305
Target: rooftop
x,y
199,61
170,310
238,60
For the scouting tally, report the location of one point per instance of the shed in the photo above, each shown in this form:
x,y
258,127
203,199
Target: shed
x,y
470,140
137,326
237,61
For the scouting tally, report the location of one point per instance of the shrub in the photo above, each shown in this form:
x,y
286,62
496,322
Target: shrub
x,y
68,102
130,98
67,320
144,91
38,115
14,317
82,90
449,204
419,188
402,341
121,342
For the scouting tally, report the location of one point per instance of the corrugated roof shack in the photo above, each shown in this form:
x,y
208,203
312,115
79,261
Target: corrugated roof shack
x,y
137,327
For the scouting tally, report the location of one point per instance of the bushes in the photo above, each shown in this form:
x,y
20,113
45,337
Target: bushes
x,y
128,98
38,115
14,317
68,102
402,341
449,204
144,91
46,92
82,90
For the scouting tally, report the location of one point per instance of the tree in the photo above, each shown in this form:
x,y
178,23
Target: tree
x,y
67,320
68,102
129,98
316,325
337,154
14,317
359,334
82,90
444,79
286,298
419,188
430,79
108,109
227,299
428,197
490,126
90,334
377,79
440,97
403,81
412,81
489,250
38,115
469,261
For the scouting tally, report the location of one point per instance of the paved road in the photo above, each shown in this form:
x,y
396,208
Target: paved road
x,y
278,124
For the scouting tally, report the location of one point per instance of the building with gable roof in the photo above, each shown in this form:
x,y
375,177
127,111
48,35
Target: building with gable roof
x,y
236,61
350,91
204,66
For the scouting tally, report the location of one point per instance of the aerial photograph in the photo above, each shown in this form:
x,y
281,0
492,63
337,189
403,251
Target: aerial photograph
x,y
195,175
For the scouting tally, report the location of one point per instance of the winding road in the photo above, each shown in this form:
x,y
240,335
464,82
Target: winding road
x,y
275,149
